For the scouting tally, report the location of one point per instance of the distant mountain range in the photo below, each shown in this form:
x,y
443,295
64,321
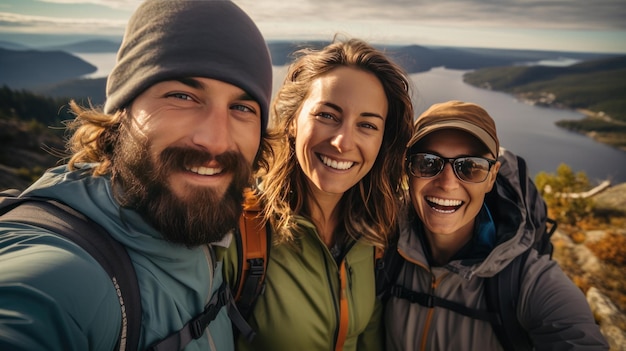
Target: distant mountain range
x,y
91,46
54,71
13,46
28,69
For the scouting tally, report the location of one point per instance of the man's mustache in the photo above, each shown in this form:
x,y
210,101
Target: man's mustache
x,y
180,158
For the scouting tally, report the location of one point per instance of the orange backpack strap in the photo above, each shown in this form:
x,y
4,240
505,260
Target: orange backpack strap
x,y
253,254
343,308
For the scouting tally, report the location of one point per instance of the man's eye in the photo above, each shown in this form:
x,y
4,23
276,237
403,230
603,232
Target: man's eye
x,y
181,96
242,108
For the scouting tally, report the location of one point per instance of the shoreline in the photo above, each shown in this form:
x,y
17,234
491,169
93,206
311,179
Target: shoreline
x,y
547,100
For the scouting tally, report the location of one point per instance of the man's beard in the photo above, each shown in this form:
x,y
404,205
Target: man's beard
x,y
201,216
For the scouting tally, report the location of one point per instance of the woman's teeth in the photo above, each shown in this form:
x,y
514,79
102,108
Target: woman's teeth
x,y
342,165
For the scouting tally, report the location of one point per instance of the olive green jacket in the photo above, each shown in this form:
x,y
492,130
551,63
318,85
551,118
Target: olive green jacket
x,y
301,306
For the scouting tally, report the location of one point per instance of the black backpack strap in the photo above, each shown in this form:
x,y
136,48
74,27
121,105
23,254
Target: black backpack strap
x,y
253,243
387,269
551,226
95,240
521,168
431,301
195,328
502,295
544,224
240,323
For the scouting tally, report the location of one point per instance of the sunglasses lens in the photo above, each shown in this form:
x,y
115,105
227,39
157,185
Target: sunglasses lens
x,y
467,169
472,169
426,166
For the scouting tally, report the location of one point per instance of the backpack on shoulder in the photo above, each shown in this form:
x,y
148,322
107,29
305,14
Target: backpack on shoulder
x,y
502,290
253,245
112,256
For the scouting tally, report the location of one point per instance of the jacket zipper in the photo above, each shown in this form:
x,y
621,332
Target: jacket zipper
x,y
332,294
342,312
433,285
429,318
211,263
431,311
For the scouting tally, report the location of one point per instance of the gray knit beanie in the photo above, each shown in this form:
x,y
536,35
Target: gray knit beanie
x,y
170,39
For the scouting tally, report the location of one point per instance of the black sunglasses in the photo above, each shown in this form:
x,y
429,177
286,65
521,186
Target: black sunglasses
x,y
467,169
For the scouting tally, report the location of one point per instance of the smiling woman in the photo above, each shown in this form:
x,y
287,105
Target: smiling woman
x,y
339,131
341,121
470,218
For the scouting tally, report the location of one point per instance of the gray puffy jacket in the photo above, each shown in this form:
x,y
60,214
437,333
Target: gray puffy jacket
x,y
551,308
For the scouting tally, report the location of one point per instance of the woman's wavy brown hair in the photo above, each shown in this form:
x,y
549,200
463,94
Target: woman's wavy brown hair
x,y
370,208
95,137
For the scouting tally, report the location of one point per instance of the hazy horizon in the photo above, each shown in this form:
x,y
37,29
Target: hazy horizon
x,y
39,41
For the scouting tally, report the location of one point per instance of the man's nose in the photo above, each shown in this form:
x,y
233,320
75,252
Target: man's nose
x,y
213,132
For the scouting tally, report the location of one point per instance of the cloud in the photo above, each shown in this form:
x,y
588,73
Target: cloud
x,y
43,24
302,17
594,25
550,14
116,4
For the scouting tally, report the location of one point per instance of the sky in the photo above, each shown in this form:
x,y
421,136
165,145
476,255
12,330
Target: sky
x,y
555,25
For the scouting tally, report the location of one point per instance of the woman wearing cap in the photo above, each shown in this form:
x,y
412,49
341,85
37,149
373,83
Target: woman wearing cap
x,y
453,239
342,120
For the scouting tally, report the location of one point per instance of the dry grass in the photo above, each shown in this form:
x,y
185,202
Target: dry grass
x,y
606,219
610,250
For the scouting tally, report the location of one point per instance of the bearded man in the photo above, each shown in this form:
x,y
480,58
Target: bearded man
x,y
162,169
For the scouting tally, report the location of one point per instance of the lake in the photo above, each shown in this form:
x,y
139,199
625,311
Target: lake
x,y
527,130
104,63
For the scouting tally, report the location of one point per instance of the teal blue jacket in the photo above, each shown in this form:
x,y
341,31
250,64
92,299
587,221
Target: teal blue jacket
x,y
55,296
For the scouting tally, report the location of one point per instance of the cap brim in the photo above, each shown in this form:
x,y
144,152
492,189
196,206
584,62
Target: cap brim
x,y
459,125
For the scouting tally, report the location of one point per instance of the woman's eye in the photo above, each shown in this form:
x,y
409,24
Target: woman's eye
x,y
369,126
325,115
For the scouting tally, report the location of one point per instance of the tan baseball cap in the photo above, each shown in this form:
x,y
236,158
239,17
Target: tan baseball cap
x,y
460,115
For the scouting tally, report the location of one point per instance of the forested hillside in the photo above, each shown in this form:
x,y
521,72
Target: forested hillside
x,y
596,87
31,135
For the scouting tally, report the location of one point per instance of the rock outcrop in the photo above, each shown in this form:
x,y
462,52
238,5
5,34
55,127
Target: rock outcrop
x,y
612,321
